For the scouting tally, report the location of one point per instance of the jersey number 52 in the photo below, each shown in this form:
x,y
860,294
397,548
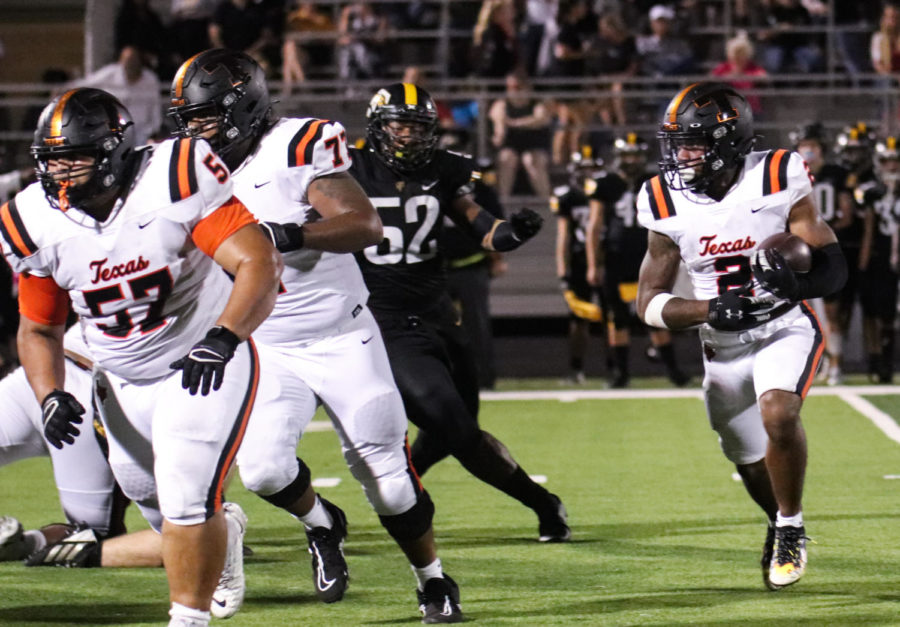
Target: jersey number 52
x,y
394,249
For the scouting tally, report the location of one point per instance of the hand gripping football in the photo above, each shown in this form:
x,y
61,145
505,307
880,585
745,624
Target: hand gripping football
x,y
795,251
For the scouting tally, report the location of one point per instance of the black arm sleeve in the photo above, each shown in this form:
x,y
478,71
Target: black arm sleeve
x,y
827,275
495,234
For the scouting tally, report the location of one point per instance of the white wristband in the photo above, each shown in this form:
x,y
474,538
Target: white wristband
x,y
653,313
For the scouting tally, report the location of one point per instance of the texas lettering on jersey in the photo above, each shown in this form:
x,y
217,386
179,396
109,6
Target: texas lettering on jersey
x,y
153,290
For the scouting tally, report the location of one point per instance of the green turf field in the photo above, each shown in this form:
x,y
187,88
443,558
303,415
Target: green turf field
x,y
662,533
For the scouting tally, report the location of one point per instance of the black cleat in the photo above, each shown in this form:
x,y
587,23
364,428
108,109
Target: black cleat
x,y
767,554
679,378
329,569
79,549
439,602
552,521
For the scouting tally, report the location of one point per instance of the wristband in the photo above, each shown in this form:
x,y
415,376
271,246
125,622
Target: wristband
x,y
653,313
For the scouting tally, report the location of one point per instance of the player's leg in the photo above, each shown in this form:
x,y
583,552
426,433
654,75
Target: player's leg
x,y
662,342
269,467
507,166
583,310
195,439
618,322
783,371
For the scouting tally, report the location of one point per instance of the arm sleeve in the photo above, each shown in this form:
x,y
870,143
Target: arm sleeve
x,y
221,224
41,300
827,275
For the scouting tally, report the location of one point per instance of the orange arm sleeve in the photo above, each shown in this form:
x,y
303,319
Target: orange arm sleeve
x,y
41,300
221,224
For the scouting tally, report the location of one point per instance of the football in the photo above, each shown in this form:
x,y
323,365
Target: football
x,y
794,250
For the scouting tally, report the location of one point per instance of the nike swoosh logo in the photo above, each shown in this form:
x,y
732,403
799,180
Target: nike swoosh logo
x,y
147,223
322,583
756,209
218,602
428,186
258,185
368,340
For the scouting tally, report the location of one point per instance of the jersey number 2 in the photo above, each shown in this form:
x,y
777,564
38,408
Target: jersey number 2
x,y
734,271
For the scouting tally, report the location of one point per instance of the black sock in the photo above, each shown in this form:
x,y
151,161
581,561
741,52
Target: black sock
x,y
667,354
621,354
576,364
521,487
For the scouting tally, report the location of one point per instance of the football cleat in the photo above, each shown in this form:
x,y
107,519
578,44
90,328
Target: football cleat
x,y
789,557
326,546
229,594
552,522
12,540
439,601
768,552
79,549
835,376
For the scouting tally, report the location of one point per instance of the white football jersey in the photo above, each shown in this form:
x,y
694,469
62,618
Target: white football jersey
x,y
142,288
320,289
718,238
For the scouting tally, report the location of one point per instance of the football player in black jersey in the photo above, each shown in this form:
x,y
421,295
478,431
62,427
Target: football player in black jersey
x,y
833,195
880,259
570,204
613,228
414,185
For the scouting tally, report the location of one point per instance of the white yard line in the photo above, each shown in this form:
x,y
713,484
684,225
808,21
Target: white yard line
x,y
879,418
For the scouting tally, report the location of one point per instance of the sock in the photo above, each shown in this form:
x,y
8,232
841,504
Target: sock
x,y
621,355
432,571
184,616
523,489
667,354
34,540
789,521
835,346
318,516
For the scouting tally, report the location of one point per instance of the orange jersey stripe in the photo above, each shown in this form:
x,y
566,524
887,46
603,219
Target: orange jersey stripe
x,y
656,185
9,228
301,147
773,171
41,300
184,163
221,224
244,419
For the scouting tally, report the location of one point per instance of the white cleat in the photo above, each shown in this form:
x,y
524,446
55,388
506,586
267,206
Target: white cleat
x,y
229,594
789,559
12,540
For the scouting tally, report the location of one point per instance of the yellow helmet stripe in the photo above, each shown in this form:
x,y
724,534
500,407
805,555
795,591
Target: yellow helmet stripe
x,y
410,94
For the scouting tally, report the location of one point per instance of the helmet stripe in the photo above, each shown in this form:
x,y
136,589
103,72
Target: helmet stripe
x,y
179,77
410,94
56,120
676,102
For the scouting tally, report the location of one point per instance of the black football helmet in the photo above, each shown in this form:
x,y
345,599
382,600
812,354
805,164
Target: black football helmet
x,y
815,131
631,152
84,122
707,115
854,146
582,166
227,90
887,160
408,104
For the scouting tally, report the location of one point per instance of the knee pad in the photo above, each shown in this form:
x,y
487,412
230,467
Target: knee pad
x,y
268,475
288,495
413,523
384,473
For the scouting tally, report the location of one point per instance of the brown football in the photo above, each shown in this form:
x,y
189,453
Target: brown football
x,y
794,250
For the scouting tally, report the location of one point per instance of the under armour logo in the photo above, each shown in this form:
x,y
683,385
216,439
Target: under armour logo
x,y
729,314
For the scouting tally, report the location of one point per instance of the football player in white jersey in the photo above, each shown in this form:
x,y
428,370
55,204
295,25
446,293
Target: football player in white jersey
x,y
712,205
131,238
321,343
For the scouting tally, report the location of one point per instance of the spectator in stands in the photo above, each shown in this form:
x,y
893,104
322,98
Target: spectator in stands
x,y
662,53
189,28
739,69
139,26
252,27
576,25
537,23
305,18
521,133
784,49
495,51
612,53
361,33
885,47
851,44
136,87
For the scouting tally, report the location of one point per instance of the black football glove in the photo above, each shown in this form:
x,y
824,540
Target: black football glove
x,y
285,237
735,310
205,363
775,275
61,412
525,223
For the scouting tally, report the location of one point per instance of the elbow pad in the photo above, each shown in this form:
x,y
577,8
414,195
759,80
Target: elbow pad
x,y
827,275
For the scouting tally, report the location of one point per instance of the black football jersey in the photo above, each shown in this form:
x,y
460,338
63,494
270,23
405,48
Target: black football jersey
x,y
571,203
623,233
405,272
830,182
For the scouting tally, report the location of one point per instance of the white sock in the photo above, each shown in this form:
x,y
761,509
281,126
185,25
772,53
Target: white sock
x,y
432,571
835,346
318,516
34,540
789,521
184,616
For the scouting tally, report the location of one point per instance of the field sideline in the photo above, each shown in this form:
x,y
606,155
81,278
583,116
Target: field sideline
x,y
662,533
